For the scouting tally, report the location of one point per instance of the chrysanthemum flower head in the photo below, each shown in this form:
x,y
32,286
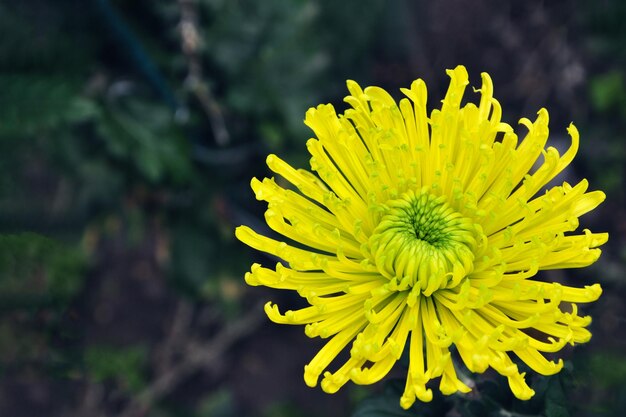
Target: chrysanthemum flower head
x,y
426,233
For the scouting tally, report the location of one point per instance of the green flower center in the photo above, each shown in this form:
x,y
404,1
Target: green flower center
x,y
422,241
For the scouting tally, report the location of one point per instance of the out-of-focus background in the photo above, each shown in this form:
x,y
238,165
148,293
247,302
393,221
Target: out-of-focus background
x,y
129,131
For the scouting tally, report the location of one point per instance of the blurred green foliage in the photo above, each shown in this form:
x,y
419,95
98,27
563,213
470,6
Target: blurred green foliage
x,y
113,175
37,270
607,92
124,366
611,366
107,144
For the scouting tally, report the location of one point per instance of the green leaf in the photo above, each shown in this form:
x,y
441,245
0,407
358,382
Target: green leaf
x,y
387,404
494,397
556,401
491,396
382,406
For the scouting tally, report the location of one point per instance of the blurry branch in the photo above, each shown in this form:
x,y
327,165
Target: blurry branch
x,y
136,53
193,356
190,44
178,335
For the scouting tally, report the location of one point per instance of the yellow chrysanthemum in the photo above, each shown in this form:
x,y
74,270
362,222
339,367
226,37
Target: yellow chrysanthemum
x,y
427,232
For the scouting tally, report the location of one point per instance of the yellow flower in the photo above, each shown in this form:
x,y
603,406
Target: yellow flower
x,y
426,233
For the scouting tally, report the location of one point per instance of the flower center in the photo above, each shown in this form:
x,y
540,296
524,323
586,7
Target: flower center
x,y
421,241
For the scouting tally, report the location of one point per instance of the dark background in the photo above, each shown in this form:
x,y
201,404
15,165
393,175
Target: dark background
x,y
129,131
